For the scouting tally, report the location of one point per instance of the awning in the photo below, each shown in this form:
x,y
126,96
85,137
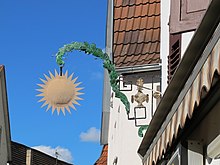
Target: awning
x,y
198,90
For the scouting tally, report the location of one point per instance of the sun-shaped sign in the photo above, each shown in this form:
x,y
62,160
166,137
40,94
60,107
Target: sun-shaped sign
x,y
59,92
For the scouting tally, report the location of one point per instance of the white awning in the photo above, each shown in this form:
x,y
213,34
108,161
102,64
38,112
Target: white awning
x,y
198,90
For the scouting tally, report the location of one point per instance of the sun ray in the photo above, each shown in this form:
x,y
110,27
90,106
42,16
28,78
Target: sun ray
x,y
40,95
79,93
66,74
78,89
51,75
78,98
74,80
63,110
41,85
48,107
77,84
48,78
45,103
40,90
56,74
70,77
53,109
59,93
71,105
68,109
43,99
75,102
44,81
58,110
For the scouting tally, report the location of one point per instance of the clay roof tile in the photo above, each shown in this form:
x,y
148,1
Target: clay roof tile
x,y
117,25
103,157
128,36
118,49
135,35
125,2
138,11
136,32
118,3
121,37
130,23
124,12
131,11
137,23
123,25
117,13
143,22
141,36
125,50
138,2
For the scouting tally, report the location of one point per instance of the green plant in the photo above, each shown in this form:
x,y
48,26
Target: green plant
x,y
107,64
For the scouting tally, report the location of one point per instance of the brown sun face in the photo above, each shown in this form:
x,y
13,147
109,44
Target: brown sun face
x,y
59,92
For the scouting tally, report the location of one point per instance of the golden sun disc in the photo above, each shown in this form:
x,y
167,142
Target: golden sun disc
x,y
59,92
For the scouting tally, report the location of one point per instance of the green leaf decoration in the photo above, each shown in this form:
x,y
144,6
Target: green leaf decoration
x,y
141,129
107,64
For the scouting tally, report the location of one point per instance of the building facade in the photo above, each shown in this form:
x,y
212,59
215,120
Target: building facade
x,y
185,127
5,136
139,34
133,43
23,155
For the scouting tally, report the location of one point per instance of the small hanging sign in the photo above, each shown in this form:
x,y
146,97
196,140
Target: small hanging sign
x,y
59,92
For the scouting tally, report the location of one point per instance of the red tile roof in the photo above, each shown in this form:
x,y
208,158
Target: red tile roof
x,y
136,32
104,156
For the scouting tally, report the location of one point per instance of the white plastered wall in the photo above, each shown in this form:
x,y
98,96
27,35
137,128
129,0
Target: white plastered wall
x,y
164,47
123,134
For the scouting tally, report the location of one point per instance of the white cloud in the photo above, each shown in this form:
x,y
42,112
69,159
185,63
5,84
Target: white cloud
x,y
91,135
64,154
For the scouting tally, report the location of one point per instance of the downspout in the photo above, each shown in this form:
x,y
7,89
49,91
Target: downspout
x,y
106,83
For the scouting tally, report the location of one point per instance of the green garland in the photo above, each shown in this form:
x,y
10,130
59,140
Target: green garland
x,y
107,63
141,129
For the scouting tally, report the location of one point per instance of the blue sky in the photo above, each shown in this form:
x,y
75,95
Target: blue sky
x,y
31,32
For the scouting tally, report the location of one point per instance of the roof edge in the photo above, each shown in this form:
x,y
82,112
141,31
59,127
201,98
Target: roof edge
x,y
138,68
5,108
